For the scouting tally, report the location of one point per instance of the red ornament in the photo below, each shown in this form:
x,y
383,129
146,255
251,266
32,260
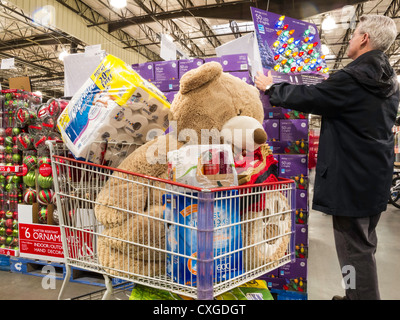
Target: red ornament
x,y
301,53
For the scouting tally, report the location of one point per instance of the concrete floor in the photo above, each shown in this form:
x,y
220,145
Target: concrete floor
x,y
324,274
324,277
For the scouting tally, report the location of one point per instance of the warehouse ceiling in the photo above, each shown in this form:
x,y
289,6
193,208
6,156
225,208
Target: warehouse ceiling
x,y
197,27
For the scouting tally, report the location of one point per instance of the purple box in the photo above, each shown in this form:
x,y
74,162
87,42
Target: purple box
x,y
166,70
301,199
271,127
244,75
145,70
292,130
275,283
167,85
292,165
289,147
295,269
216,59
301,235
265,102
273,113
235,62
170,95
293,114
272,274
188,64
301,216
277,147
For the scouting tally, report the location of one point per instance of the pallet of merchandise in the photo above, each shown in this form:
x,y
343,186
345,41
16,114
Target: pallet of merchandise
x,y
43,268
36,267
288,295
4,263
89,277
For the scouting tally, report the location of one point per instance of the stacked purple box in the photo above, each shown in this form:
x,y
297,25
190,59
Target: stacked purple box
x,y
189,64
235,62
166,70
167,85
287,132
271,127
215,59
170,95
243,75
145,70
291,165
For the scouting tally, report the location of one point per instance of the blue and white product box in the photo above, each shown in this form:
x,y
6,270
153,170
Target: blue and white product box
x,y
181,237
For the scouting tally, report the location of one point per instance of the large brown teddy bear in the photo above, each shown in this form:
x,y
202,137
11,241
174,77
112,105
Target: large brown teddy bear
x,y
130,207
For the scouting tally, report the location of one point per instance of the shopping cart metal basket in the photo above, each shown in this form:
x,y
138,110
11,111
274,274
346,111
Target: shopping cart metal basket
x,y
192,241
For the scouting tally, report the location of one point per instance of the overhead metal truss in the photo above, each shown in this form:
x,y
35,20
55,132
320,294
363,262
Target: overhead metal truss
x,y
138,29
34,49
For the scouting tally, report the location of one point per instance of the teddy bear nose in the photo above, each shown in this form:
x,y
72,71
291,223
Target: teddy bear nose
x,y
260,136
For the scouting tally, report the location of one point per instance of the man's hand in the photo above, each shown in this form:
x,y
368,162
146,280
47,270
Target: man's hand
x,y
262,81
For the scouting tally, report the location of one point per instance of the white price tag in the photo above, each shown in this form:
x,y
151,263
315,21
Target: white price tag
x,y
168,48
93,50
7,63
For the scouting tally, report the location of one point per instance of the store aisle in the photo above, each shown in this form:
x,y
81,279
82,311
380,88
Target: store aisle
x,y
324,277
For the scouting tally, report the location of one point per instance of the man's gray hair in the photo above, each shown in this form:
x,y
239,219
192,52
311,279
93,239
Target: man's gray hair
x,y
382,30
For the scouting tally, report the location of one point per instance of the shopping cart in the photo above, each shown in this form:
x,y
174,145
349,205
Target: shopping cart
x,y
195,242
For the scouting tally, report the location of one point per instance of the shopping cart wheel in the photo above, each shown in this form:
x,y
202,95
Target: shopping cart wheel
x,y
395,193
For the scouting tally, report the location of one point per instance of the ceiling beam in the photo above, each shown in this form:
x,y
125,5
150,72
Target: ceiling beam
x,y
44,39
235,10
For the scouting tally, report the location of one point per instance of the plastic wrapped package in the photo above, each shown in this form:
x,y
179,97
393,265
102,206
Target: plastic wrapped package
x,y
114,101
206,166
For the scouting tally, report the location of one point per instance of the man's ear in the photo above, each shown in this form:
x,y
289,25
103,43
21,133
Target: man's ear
x,y
365,38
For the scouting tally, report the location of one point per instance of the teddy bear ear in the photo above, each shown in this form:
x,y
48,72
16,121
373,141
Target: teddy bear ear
x,y
195,78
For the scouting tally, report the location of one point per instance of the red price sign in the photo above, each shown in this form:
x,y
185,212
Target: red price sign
x,y
45,240
42,240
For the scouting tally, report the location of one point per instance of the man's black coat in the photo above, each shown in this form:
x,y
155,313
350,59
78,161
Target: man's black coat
x,y
358,105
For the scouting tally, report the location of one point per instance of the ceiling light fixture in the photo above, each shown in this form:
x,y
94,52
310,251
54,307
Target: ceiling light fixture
x,y
328,23
119,4
63,54
325,49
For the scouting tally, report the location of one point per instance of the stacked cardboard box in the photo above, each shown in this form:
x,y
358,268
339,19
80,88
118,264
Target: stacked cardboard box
x,y
165,75
288,136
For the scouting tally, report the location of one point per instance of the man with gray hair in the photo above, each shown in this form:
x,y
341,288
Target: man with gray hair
x,y
358,105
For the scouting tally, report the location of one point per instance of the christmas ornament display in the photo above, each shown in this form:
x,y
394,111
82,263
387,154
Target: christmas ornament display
x,y
45,196
30,196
